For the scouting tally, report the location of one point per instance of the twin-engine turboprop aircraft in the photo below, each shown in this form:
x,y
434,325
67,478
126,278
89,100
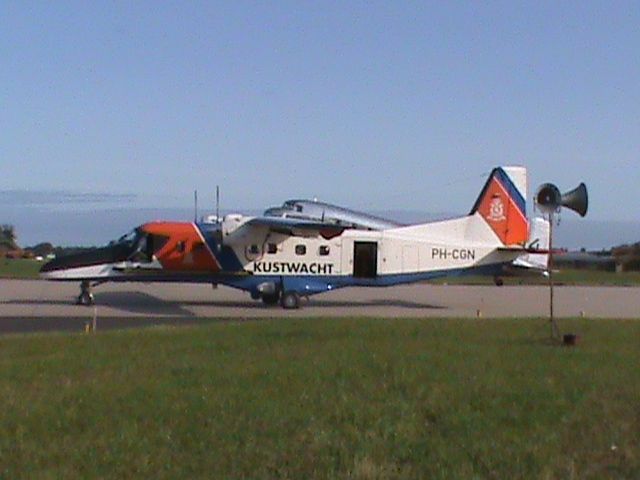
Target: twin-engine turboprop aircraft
x,y
308,247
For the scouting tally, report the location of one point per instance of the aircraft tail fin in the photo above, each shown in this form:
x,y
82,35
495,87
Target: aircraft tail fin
x,y
502,203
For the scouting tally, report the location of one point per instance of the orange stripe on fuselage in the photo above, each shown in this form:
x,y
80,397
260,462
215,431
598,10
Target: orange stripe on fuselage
x,y
185,249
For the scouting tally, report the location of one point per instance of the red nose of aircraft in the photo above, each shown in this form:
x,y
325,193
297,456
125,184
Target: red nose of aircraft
x,y
166,246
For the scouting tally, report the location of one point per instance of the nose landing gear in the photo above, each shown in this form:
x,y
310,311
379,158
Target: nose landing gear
x,y
86,295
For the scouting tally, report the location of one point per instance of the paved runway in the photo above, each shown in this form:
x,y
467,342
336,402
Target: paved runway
x,y
30,305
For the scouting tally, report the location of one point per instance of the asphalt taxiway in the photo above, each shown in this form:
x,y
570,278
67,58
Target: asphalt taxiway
x,y
32,305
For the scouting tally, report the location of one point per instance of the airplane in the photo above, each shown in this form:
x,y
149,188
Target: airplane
x,y
307,247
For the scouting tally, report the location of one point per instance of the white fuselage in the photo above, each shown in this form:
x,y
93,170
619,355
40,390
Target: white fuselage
x,y
448,245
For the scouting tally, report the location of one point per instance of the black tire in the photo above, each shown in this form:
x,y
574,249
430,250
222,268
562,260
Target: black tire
x,y
290,300
271,299
498,281
86,299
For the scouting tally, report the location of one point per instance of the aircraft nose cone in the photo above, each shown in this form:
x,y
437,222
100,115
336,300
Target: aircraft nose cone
x,y
52,265
95,256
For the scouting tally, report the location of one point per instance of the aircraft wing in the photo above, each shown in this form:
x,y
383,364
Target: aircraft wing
x,y
291,225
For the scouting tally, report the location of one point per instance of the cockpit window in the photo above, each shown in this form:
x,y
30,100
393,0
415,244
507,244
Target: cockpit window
x,y
155,243
128,238
139,246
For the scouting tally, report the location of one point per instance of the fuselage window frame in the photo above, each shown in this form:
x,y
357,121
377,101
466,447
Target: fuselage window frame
x,y
252,252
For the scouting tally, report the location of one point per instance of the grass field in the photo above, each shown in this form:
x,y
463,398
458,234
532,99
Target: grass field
x,y
19,268
561,277
594,277
324,398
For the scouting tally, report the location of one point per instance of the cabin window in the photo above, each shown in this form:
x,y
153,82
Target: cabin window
x,y
301,249
272,248
298,208
323,250
251,252
181,247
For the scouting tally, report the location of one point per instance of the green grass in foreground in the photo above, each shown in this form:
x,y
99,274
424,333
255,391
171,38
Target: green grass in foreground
x,y
19,268
324,398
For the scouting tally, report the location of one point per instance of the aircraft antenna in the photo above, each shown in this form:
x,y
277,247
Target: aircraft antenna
x,y
218,203
195,205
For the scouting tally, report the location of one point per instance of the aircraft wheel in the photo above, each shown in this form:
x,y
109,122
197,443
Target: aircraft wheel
x,y
498,281
271,299
290,300
86,299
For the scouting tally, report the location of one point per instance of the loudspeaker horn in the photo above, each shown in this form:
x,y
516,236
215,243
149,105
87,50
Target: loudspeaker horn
x,y
577,200
549,199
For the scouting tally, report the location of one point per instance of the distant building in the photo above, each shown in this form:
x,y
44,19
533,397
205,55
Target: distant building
x,y
627,257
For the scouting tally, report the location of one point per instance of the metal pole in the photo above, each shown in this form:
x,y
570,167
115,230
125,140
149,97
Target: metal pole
x,y
552,320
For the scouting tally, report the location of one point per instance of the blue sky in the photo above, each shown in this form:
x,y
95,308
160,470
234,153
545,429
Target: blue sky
x,y
375,105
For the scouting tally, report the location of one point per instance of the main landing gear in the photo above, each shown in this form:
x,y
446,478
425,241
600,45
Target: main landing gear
x,y
86,295
288,300
271,298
